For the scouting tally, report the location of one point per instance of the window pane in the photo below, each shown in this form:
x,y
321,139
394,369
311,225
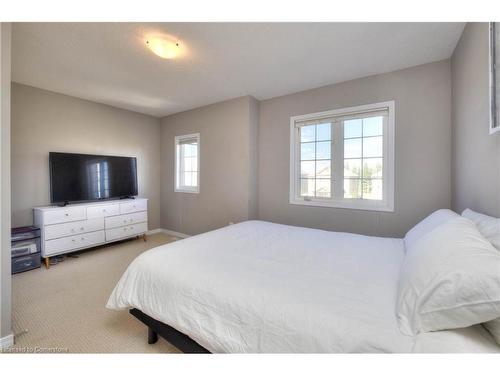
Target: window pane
x,y
372,189
373,126
352,168
372,168
188,149
323,168
307,169
190,164
307,187
187,179
308,133
352,188
352,128
185,165
323,150
372,147
323,188
323,132
194,164
307,151
352,148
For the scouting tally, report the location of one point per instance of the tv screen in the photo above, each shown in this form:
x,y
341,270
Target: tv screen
x,y
80,177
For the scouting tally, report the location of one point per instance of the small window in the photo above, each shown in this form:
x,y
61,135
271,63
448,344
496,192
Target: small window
x,y
344,158
187,163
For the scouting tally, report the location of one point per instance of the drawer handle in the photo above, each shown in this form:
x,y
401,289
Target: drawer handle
x,y
72,229
73,240
66,214
82,239
124,228
23,259
131,227
124,221
104,210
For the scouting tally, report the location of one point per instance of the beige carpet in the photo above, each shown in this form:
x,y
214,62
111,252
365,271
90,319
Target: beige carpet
x,y
63,308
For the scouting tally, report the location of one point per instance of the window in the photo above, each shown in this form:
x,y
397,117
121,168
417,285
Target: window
x,y
344,158
494,77
187,163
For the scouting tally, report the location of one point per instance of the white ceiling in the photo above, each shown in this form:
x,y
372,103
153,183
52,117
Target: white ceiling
x,y
109,63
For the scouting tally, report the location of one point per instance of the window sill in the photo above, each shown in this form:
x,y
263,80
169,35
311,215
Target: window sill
x,y
347,204
197,191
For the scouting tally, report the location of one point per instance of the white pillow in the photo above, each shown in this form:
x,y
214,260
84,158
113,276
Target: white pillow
x,y
488,226
493,326
450,278
428,224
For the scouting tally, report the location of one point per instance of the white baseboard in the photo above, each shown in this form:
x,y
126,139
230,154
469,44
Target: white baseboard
x,y
175,234
168,232
7,341
154,231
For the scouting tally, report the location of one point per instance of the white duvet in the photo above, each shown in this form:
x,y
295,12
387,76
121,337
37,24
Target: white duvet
x,y
258,287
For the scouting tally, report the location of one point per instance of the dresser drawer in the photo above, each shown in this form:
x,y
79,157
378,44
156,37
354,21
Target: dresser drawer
x,y
63,215
138,205
103,210
121,220
75,227
127,231
65,244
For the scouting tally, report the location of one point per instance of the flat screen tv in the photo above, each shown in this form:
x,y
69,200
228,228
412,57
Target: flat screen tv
x,y
80,177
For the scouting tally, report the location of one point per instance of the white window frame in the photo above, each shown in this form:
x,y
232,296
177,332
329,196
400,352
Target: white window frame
x,y
494,72
337,201
177,187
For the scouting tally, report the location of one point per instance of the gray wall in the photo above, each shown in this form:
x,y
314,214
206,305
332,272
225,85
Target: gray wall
x,y
44,121
5,280
422,155
228,166
244,152
475,153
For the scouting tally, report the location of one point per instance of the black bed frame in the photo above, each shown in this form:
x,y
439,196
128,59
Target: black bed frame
x,y
178,339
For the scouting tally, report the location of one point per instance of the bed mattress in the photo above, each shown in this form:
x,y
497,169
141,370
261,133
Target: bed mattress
x,y
259,287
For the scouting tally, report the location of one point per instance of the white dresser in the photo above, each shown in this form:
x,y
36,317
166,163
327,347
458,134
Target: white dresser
x,y
80,226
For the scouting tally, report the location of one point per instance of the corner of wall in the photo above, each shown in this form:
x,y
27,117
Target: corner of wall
x,y
5,265
253,118
475,165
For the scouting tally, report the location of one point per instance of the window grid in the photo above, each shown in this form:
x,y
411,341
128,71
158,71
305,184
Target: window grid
x,y
315,160
374,167
187,163
361,179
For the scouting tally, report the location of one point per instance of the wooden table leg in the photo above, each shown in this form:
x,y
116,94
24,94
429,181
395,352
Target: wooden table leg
x,y
47,262
144,237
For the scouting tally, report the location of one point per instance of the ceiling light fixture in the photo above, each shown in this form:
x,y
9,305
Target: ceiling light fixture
x,y
164,48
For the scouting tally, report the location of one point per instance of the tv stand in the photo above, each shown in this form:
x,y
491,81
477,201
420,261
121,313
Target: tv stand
x,y
66,229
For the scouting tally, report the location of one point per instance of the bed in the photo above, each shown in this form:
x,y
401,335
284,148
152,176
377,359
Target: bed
x,y
259,287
